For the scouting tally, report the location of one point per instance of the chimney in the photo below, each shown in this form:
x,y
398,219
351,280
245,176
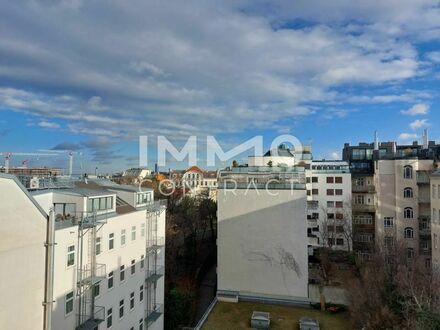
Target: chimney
x,y
425,139
376,141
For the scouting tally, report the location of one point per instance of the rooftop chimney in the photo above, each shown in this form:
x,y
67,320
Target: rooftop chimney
x,y
425,139
376,141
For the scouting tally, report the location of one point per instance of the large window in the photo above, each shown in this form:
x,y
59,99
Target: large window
x,y
99,204
109,318
408,213
111,241
364,219
110,280
70,255
132,301
408,193
121,309
388,222
143,198
409,232
69,303
407,172
122,273
141,293
133,267
98,246
133,233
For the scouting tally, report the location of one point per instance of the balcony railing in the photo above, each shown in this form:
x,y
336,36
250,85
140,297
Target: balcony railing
x,y
424,199
363,189
153,313
422,177
155,274
91,322
89,275
363,208
156,206
155,244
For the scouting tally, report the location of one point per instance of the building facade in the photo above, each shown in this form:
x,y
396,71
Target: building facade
x,y
391,195
435,219
262,234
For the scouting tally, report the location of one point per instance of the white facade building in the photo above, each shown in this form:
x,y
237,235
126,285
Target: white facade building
x,y
108,257
262,235
435,219
23,226
329,211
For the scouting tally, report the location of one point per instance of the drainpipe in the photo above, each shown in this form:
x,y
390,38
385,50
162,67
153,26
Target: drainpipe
x,y
48,282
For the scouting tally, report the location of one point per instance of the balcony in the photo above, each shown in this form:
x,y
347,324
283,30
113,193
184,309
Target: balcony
x,y
368,189
363,208
155,244
91,322
154,275
422,177
153,313
157,206
423,199
89,275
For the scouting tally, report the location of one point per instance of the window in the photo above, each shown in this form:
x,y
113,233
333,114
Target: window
x,y
338,179
408,193
363,238
110,280
339,241
122,237
315,179
315,192
98,246
330,216
339,205
133,267
122,273
339,229
99,204
142,261
111,241
330,204
338,192
388,222
435,241
132,301
69,303
389,241
410,253
366,219
331,241
133,233
71,255
141,324
339,216
141,293
121,309
330,192
434,190
359,182
408,213
96,290
109,318
142,229
434,215
359,199
330,179
409,232
330,228
407,172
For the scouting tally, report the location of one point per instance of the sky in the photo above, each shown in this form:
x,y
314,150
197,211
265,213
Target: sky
x,y
91,76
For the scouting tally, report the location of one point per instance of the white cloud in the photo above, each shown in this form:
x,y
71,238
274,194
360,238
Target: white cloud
x,y
417,109
334,155
407,136
48,124
419,123
434,56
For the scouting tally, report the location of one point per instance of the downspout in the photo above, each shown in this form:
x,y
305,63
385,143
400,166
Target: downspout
x,y
48,281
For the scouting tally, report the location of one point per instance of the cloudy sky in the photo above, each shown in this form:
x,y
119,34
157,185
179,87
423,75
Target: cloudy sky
x,y
92,75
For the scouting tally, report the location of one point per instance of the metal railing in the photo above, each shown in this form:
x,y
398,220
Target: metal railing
x,y
363,189
157,205
90,322
155,274
423,199
155,244
89,275
153,313
363,208
422,177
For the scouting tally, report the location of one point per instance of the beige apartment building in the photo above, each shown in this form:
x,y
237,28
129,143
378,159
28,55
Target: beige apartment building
x,y
435,217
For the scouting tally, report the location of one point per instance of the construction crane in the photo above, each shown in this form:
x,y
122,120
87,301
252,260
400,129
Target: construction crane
x,y
8,156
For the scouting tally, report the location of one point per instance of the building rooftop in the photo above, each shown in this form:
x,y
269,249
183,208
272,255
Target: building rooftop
x,y
238,315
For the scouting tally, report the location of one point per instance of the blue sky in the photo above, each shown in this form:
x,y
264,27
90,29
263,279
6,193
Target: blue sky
x,y
91,76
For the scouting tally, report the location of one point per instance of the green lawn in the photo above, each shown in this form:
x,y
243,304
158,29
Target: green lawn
x,y
229,316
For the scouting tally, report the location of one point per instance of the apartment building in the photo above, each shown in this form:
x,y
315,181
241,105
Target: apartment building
x,y
196,181
108,258
435,216
262,234
329,212
22,257
391,195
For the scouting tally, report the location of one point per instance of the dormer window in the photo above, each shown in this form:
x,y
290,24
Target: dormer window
x,y
99,204
143,198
